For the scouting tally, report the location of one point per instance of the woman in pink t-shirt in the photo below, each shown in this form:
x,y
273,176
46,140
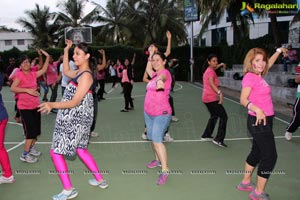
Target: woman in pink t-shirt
x,y
157,110
213,98
25,85
256,97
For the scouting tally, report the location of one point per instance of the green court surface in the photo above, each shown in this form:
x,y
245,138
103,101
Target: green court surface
x,y
199,170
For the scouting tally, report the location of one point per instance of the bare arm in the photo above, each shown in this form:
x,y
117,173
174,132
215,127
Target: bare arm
x,y
133,59
145,77
216,89
66,67
103,64
16,89
40,58
160,81
274,57
168,50
260,115
45,66
84,83
149,69
221,65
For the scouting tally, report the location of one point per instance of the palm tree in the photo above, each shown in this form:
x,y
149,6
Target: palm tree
x,y
38,23
72,15
158,16
114,27
141,22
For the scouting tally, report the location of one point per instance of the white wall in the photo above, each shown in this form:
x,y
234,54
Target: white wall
x,y
14,37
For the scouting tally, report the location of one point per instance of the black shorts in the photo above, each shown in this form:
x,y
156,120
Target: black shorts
x,y
31,120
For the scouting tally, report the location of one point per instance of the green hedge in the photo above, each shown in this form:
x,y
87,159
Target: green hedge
x,y
228,54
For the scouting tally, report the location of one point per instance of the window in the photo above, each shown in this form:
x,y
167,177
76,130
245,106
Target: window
x,y
8,42
20,42
218,36
283,31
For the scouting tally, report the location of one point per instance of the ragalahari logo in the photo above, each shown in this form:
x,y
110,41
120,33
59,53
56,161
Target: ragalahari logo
x,y
279,8
246,8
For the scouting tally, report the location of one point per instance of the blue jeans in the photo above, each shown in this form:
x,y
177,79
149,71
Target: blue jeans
x,y
156,126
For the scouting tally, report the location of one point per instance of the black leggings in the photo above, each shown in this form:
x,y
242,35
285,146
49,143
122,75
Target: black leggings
x,y
127,88
263,152
216,111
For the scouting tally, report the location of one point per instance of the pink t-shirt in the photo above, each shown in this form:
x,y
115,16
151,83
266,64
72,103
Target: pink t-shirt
x,y
157,102
125,76
101,75
208,94
260,94
119,69
52,73
25,100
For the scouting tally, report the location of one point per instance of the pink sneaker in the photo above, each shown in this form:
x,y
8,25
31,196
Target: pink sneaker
x,y
254,196
153,164
246,187
162,179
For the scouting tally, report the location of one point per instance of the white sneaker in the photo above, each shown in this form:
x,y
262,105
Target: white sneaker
x,y
144,136
103,184
175,119
288,136
94,134
7,180
34,152
168,138
28,158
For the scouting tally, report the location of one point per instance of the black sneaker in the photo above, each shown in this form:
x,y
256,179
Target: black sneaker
x,y
220,144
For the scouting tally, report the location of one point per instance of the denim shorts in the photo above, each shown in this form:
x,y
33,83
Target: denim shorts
x,y
156,126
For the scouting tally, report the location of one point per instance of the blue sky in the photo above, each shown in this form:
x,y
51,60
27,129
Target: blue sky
x,y
11,10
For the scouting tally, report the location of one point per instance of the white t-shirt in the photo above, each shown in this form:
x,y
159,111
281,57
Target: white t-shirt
x,y
112,71
65,80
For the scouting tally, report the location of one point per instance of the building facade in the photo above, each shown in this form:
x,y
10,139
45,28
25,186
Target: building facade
x,y
20,40
223,31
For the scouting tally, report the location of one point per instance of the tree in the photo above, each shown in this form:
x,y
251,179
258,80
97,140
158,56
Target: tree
x,y
215,9
114,25
141,22
160,16
38,23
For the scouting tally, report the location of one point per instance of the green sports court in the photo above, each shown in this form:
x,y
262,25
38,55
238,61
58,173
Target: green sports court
x,y
199,170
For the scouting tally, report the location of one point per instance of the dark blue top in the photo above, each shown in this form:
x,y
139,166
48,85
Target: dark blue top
x,y
3,112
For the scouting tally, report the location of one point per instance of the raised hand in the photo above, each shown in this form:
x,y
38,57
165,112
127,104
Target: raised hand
x,y
168,34
44,52
69,44
101,51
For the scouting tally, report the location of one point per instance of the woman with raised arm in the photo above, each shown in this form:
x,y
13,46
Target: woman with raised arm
x,y
157,110
25,85
74,120
256,97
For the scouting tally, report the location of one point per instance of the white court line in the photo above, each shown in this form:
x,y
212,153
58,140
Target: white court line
x,y
279,119
16,146
145,141
17,143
